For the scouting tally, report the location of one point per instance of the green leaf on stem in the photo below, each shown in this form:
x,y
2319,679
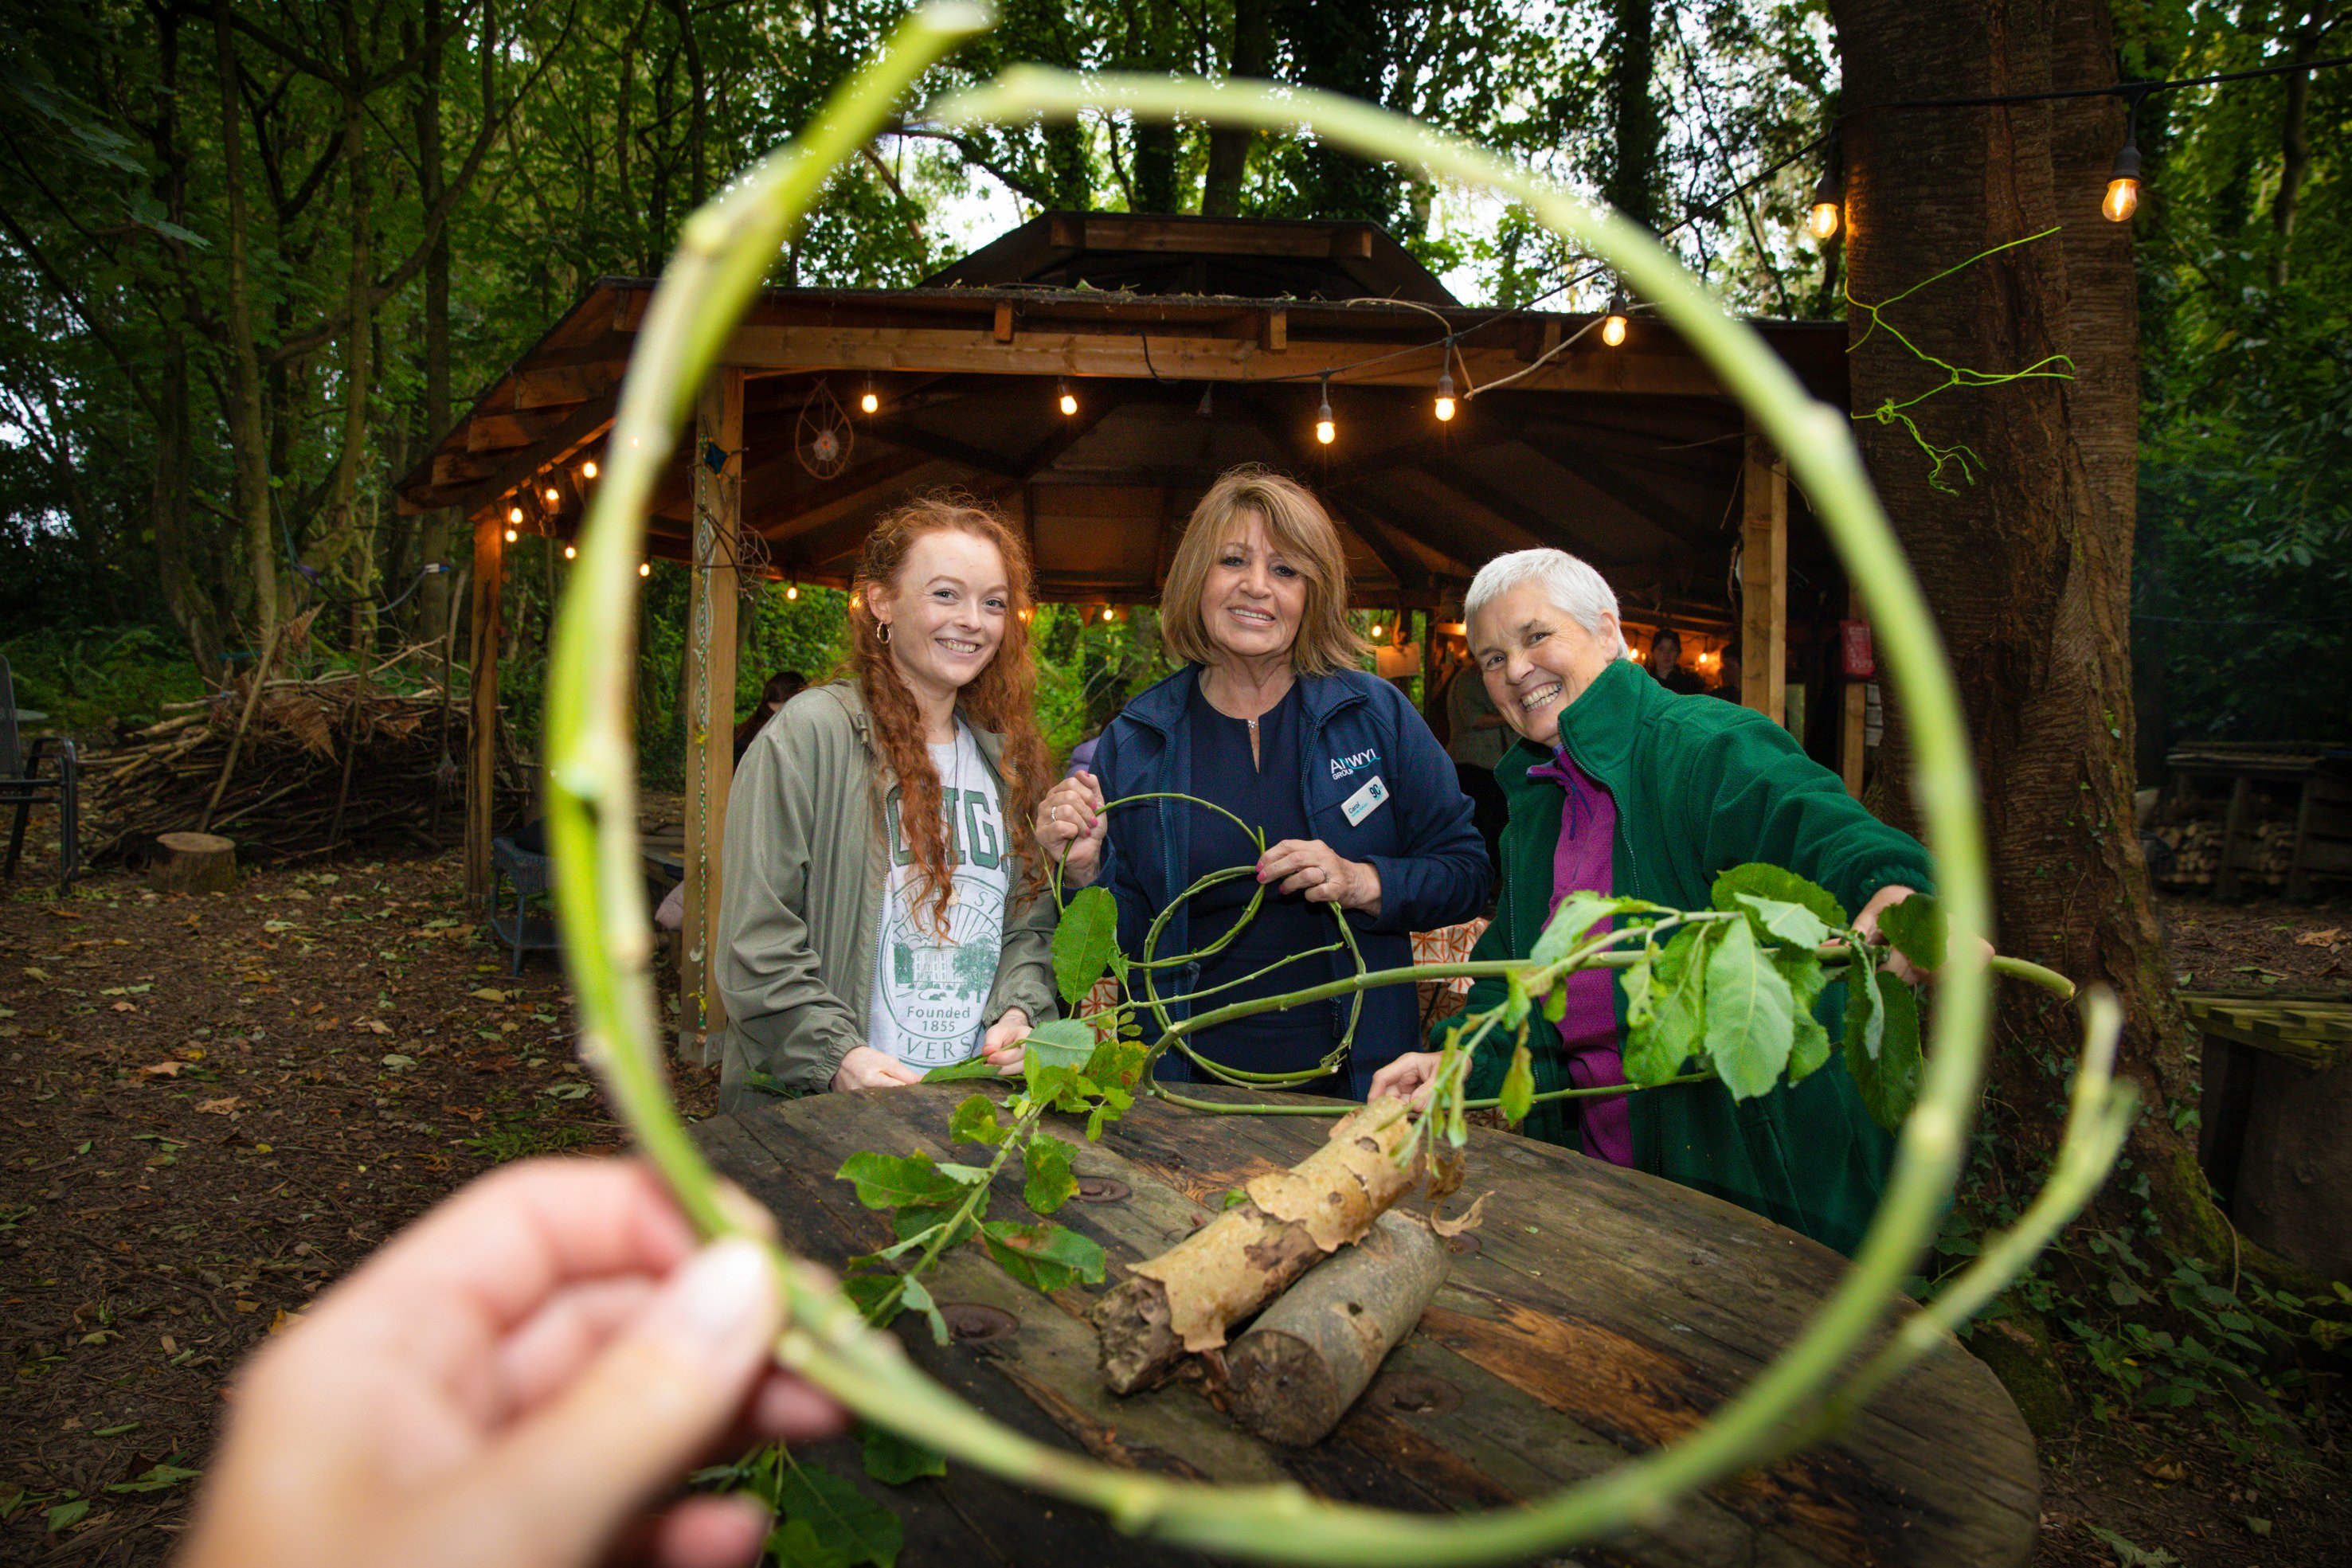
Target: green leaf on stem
x,y
893,1460
1917,928
1751,1016
969,1068
909,1223
1065,1042
1675,1032
974,1122
1578,914
1555,1004
1784,922
1117,1062
916,1298
963,1175
875,1295
1050,1183
1084,942
1639,1000
1889,1080
1045,1257
1518,1096
888,1181
1811,1048
841,1520
1515,1000
794,1545
1777,883
1865,1019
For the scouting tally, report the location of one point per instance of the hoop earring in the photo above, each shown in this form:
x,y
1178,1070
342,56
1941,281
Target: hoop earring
x,y
882,632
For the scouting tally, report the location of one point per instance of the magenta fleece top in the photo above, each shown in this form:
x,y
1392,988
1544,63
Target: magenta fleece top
x,y
1588,1029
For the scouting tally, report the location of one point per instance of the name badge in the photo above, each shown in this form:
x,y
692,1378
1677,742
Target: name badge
x,y
1364,802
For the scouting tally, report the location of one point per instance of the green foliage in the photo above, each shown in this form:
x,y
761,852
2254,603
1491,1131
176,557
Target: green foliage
x,y
101,679
826,1520
1888,1073
893,1460
1063,1042
1518,1086
1049,1184
1084,942
1774,882
1578,914
1915,928
1750,1017
1045,1257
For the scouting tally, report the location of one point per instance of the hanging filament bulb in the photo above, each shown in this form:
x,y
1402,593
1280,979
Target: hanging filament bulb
x,y
644,568
2122,199
1612,325
555,497
1069,404
1445,404
869,401
1325,430
588,469
793,591
1828,210
572,552
1376,629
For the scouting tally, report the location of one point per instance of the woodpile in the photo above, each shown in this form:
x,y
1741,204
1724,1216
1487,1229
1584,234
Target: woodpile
x,y
338,763
2266,855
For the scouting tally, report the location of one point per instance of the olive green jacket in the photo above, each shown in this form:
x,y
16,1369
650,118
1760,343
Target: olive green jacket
x,y
1702,786
800,902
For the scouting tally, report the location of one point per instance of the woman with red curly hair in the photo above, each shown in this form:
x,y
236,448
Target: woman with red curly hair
x,y
879,916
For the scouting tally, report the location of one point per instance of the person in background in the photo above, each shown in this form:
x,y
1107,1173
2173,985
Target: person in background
x,y
1081,755
879,912
1270,718
1726,677
781,688
1666,664
1476,739
1621,787
522,1377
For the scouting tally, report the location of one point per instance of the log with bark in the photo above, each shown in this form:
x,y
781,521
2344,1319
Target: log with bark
x,y
194,863
1185,1298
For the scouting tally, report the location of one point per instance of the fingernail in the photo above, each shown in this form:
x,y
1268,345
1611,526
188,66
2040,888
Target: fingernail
x,y
727,1291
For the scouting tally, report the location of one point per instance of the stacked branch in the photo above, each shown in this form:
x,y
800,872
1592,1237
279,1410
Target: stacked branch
x,y
336,763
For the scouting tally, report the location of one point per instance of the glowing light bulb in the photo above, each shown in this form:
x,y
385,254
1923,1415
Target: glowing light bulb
x,y
510,536
1823,220
1376,629
1612,325
793,592
644,568
588,469
571,552
554,496
514,516
869,402
2122,200
1445,404
1069,404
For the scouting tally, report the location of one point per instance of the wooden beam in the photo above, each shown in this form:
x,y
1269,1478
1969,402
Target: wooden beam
x,y
710,711
831,526
1098,404
1044,352
482,737
931,444
1003,323
582,428
1764,579
1405,566
552,386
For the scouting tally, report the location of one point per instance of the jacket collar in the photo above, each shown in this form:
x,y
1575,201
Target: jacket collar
x,y
1161,708
851,697
1598,729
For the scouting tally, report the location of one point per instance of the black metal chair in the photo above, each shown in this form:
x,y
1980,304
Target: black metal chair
x,y
22,787
522,932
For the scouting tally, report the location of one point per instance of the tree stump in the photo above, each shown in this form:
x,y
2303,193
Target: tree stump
x,y
194,863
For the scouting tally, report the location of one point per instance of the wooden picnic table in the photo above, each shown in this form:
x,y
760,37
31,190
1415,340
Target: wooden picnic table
x,y
1596,1313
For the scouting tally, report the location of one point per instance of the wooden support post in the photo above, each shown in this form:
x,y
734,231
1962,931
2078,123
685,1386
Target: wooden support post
x,y
482,732
1853,730
711,699
2233,829
1764,579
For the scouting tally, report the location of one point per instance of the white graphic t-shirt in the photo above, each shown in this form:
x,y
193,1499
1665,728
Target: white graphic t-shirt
x,y
929,993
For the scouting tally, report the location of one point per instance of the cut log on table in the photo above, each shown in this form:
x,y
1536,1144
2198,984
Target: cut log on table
x,y
194,863
1308,1355
1186,1298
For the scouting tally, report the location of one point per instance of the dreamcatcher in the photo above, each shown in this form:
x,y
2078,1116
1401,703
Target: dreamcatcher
x,y
821,439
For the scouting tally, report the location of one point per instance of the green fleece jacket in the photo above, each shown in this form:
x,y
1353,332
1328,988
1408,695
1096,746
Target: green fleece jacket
x,y
1701,786
800,900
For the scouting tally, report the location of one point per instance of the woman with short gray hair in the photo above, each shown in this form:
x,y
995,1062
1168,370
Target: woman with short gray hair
x,y
1621,787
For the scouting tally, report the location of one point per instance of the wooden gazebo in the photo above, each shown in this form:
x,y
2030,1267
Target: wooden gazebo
x,y
1091,373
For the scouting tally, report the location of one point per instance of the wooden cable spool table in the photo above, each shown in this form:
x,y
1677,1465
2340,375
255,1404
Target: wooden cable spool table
x,y
1596,1313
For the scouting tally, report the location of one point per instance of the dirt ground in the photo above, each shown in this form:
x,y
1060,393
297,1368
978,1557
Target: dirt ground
x,y
216,1105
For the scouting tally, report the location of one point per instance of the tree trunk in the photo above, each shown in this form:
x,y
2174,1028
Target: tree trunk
x,y
191,606
1344,49
436,529
345,553
1252,42
248,430
2029,571
2295,140
1634,124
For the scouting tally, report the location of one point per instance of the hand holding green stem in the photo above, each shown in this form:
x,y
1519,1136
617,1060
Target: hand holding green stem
x,y
725,252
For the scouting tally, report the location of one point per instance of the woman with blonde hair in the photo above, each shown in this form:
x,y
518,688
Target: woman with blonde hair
x,y
882,911
1271,719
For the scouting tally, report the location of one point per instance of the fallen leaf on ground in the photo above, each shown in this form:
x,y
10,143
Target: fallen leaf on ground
x,y
2328,938
1469,1221
487,994
161,1070
220,1107
125,1007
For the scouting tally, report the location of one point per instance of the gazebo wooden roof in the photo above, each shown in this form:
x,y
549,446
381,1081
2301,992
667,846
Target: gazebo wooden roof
x,y
1186,345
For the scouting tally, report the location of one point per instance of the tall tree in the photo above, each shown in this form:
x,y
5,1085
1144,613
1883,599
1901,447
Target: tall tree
x,y
1635,126
2029,569
1248,55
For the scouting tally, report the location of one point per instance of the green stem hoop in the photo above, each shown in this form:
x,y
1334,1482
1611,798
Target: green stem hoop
x,y
724,252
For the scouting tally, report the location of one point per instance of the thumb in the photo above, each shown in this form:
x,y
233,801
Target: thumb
x,y
569,1477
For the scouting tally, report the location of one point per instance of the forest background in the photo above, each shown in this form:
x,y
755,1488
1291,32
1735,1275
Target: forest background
x,y
258,255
